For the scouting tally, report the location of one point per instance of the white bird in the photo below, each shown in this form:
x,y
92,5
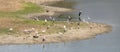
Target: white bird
x,y
43,31
10,29
25,30
60,33
36,18
36,33
33,29
85,21
45,20
64,27
88,18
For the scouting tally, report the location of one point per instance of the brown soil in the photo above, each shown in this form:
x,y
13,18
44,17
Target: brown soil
x,y
10,5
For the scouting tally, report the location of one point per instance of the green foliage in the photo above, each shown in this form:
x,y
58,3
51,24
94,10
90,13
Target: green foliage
x,y
30,8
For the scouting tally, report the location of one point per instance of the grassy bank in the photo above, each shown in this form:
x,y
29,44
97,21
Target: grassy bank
x,y
16,29
27,8
15,19
19,25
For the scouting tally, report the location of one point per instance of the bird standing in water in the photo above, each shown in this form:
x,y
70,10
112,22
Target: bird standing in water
x,y
79,16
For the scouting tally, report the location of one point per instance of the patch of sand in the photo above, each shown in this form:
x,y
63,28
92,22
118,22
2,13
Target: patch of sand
x,y
10,5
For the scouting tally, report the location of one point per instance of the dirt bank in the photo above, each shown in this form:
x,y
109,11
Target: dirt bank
x,y
72,34
10,5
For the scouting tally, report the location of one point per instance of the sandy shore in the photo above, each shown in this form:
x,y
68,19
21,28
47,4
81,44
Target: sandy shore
x,y
71,34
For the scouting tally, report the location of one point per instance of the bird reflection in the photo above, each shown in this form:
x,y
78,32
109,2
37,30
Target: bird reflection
x,y
43,48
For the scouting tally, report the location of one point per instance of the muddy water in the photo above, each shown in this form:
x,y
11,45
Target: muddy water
x,y
102,11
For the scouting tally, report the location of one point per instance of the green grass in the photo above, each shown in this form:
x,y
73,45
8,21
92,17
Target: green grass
x,y
27,9
33,22
30,8
6,31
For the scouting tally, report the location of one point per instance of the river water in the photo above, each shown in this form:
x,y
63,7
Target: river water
x,y
101,11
